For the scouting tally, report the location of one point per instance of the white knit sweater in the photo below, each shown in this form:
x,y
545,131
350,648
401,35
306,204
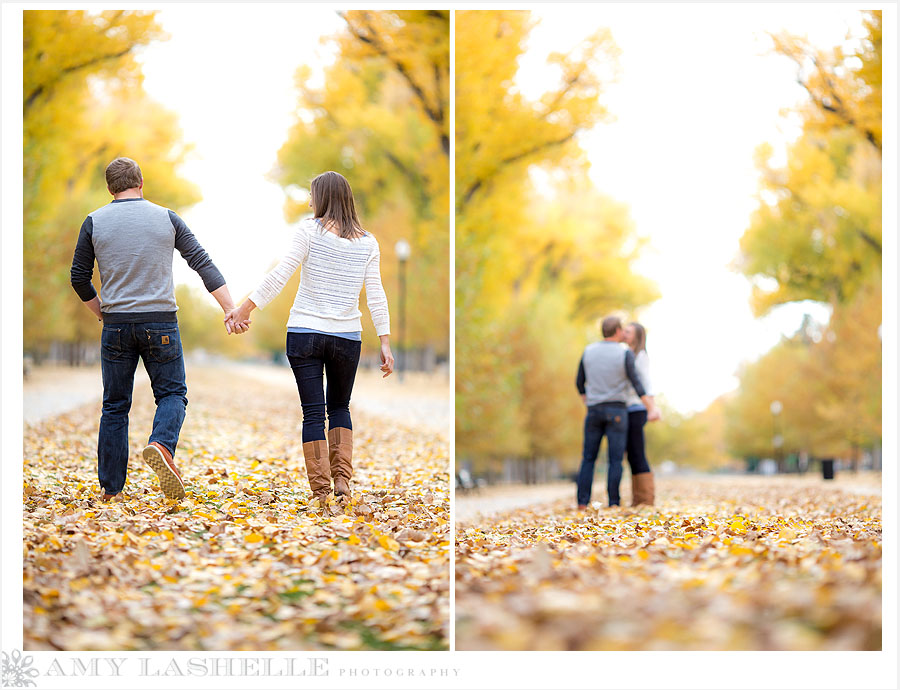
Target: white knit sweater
x,y
642,364
333,274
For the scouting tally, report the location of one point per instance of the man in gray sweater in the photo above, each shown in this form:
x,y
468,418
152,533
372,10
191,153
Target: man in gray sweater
x,y
605,370
132,241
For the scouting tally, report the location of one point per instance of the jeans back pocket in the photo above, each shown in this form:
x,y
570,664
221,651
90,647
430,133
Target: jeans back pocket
x,y
164,344
301,344
111,343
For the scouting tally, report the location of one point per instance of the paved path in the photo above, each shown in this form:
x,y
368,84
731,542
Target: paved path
x,y
500,499
495,500
52,390
420,400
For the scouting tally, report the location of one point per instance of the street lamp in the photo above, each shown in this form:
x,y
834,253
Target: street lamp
x,y
777,438
402,249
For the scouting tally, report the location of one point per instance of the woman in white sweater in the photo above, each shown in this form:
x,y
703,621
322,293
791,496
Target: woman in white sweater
x,y
642,488
337,258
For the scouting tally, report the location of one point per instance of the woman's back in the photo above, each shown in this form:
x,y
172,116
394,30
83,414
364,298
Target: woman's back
x,y
334,270
333,273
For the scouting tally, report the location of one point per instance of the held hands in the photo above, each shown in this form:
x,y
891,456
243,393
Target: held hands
x,y
654,415
237,320
387,360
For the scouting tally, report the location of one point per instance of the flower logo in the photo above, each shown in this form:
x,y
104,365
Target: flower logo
x,y
17,671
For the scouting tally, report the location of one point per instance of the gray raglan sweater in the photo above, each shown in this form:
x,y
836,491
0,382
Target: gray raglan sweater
x,y
132,241
605,370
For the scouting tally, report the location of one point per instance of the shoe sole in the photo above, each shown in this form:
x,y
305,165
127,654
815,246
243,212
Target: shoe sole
x,y
171,483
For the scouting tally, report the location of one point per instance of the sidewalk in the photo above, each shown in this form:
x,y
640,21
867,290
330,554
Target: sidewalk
x,y
499,499
495,500
421,400
53,390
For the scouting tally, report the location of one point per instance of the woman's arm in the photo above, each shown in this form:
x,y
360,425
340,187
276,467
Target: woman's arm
x,y
378,309
375,297
278,277
642,364
238,319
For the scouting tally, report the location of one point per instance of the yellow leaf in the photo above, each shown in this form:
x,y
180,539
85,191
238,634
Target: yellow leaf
x,y
253,538
741,551
382,605
388,543
738,524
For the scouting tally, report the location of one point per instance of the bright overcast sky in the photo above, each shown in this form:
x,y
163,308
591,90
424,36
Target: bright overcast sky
x,y
228,73
698,93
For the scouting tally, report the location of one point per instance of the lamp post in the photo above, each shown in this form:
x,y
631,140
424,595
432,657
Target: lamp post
x,y
402,249
777,438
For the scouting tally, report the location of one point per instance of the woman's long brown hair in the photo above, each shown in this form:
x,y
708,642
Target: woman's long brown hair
x,y
640,337
332,200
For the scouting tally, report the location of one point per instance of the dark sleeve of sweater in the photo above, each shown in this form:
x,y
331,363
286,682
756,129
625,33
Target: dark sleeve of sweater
x,y
579,380
83,262
195,255
631,372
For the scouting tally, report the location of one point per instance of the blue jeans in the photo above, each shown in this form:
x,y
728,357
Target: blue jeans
x,y
159,346
310,354
612,421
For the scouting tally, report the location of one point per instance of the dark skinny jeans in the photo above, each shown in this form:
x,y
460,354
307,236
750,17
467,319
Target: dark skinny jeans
x,y
634,448
311,354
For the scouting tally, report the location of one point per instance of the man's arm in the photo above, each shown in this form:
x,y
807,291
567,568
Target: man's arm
x,y
580,379
94,306
199,260
196,257
83,268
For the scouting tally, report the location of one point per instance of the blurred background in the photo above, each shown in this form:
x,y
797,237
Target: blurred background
x,y
229,121
720,182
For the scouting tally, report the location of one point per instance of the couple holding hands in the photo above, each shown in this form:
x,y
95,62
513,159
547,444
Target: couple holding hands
x,y
132,241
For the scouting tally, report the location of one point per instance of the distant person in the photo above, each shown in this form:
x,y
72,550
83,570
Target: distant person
x,y
642,490
324,328
132,241
604,374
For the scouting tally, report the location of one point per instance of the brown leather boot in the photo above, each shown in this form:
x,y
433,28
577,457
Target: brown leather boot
x,y
340,458
642,490
316,455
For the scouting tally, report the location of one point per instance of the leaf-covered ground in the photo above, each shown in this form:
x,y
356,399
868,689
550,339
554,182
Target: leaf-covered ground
x,y
738,564
244,561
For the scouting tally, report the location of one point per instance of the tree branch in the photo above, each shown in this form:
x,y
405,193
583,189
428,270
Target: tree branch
x,y
435,114
29,101
475,186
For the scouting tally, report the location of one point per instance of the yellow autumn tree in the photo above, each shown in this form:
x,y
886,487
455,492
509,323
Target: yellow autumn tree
x,y
382,120
536,262
816,235
83,105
